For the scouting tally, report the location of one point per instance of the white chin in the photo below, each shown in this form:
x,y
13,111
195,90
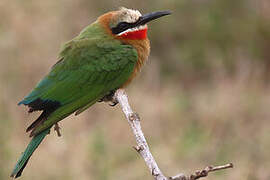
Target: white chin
x,y
133,30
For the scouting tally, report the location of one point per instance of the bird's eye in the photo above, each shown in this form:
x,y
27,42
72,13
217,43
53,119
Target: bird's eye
x,y
122,26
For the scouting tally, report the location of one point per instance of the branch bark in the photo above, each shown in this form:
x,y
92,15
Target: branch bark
x,y
143,149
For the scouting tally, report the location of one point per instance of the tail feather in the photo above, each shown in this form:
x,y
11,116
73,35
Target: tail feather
x,y
32,146
39,120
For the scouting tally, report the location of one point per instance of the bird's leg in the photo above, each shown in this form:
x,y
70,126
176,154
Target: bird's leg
x,y
57,129
109,98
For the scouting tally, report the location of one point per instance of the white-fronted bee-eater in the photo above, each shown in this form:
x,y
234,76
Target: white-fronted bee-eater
x,y
104,57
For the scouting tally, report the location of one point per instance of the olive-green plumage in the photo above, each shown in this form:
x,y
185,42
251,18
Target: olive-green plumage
x,y
90,66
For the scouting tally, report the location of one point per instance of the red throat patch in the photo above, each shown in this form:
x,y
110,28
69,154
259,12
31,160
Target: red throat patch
x,y
135,35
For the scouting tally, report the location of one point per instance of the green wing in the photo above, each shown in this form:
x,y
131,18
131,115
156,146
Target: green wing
x,y
88,70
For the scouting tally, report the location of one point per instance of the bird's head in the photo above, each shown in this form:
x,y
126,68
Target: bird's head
x,y
128,23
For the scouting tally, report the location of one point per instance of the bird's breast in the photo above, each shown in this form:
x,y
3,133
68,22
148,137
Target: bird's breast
x,y
143,49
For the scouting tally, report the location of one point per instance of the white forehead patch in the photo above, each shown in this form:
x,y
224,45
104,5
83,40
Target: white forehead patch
x,y
129,15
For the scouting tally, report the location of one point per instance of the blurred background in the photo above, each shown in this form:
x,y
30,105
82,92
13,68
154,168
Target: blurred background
x,y
203,97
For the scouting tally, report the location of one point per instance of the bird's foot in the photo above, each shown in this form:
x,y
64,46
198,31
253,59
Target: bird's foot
x,y
57,129
109,98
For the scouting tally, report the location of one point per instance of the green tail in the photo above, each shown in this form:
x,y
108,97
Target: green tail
x,y
32,146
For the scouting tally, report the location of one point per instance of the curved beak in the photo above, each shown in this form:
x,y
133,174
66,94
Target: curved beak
x,y
151,16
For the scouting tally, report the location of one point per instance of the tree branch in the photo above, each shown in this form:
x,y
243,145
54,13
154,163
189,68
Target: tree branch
x,y
143,149
201,173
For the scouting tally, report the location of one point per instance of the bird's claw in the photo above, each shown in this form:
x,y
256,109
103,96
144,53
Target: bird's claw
x,y
109,98
114,103
57,129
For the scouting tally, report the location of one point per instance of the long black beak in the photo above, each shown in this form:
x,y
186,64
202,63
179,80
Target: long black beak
x,y
151,16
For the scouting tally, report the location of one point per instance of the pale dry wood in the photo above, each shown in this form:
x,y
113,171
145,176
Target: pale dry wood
x,y
142,146
143,149
201,173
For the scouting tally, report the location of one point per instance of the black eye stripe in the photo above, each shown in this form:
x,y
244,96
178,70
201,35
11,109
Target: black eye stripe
x,y
122,26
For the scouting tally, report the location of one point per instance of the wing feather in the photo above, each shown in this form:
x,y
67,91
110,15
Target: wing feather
x,y
88,69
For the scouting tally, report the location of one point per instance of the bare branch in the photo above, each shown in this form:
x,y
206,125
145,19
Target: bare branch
x,y
143,149
142,146
201,173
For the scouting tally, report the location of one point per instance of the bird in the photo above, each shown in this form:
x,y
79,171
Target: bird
x,y
105,56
